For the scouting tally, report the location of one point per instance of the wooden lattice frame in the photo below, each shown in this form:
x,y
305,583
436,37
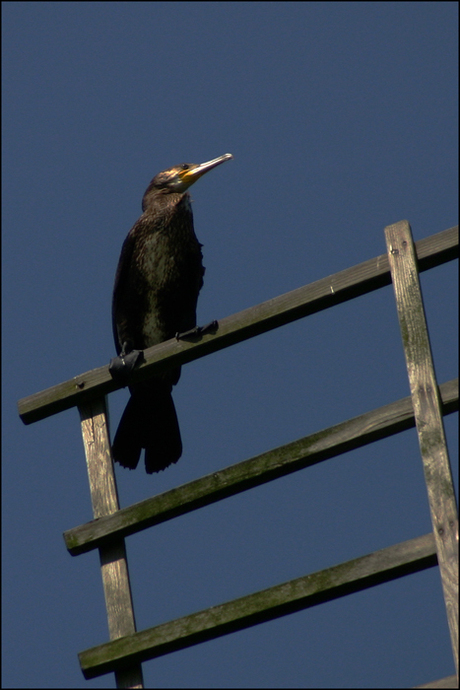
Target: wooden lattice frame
x,y
425,409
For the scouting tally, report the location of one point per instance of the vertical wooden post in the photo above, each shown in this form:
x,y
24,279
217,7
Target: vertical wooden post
x,y
428,414
114,565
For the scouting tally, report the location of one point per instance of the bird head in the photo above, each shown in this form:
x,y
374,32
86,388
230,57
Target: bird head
x,y
178,179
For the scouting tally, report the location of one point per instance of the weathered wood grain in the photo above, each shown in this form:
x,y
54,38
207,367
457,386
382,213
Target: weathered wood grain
x,y
428,414
354,433
295,595
114,565
128,649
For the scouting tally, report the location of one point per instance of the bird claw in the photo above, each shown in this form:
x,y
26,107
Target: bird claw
x,y
210,327
122,366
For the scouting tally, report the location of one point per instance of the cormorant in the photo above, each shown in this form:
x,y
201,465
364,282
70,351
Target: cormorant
x,y
159,276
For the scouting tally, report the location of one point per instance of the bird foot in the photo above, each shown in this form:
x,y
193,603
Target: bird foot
x,y
122,366
210,327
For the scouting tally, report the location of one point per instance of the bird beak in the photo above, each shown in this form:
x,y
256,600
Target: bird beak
x,y
193,173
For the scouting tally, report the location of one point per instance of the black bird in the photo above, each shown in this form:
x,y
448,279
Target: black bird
x,y
159,276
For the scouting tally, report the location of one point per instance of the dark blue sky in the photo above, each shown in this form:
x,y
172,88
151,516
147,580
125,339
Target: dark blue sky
x,y
342,119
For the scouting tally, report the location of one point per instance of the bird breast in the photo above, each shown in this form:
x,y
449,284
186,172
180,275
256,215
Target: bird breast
x,y
170,264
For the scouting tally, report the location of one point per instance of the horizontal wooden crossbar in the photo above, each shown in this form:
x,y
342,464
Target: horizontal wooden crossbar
x,y
309,299
354,433
352,576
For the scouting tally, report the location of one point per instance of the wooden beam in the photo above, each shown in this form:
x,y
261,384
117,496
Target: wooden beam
x,y
114,565
428,414
441,684
309,299
295,595
354,433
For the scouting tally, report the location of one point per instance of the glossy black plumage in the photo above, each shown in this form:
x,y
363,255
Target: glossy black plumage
x,y
159,276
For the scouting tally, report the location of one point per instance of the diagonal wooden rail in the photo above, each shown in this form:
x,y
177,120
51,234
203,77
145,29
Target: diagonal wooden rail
x,y
128,648
317,588
340,287
341,438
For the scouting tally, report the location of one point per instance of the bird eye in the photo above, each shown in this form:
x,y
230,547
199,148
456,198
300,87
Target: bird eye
x,y
185,166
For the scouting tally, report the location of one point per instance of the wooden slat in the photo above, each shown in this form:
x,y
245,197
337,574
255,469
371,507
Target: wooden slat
x,y
354,433
322,294
448,682
428,414
295,595
114,566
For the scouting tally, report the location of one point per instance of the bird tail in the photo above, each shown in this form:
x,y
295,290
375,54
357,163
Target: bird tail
x,y
149,421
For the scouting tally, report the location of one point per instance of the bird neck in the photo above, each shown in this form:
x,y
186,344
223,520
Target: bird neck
x,y
163,200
